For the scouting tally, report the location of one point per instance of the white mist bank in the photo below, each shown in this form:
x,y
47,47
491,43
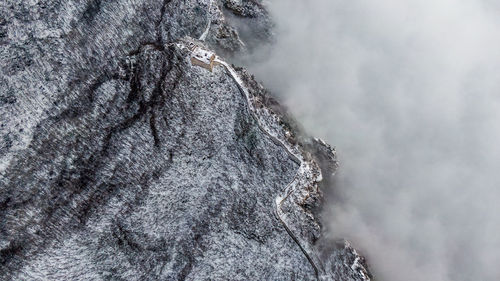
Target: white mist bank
x,y
409,93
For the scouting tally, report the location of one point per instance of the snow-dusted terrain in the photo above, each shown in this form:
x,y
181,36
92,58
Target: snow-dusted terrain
x,y
131,151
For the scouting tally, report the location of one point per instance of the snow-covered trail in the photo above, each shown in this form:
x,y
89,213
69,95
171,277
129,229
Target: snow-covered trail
x,y
291,187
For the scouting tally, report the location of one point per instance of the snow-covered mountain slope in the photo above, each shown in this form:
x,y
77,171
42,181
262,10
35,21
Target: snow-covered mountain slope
x,y
131,151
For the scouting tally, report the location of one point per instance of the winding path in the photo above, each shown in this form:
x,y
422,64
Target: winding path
x,y
295,156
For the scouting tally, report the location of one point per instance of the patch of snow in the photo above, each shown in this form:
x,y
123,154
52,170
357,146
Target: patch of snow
x,y
356,265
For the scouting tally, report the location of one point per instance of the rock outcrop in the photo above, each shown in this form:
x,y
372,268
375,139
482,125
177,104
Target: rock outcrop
x,y
121,159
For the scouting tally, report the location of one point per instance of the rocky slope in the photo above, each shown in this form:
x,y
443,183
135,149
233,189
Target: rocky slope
x,y
131,150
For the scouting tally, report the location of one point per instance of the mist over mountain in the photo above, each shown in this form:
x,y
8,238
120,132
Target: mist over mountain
x,y
132,149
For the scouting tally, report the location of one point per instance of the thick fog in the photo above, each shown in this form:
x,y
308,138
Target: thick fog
x,y
408,91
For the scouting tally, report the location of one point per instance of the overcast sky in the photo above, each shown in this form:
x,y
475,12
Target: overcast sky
x,y
409,93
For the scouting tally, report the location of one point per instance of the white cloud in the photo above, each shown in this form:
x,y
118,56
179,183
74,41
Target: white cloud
x,y
409,93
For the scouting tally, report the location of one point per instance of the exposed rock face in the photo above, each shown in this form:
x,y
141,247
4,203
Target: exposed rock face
x,y
121,160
